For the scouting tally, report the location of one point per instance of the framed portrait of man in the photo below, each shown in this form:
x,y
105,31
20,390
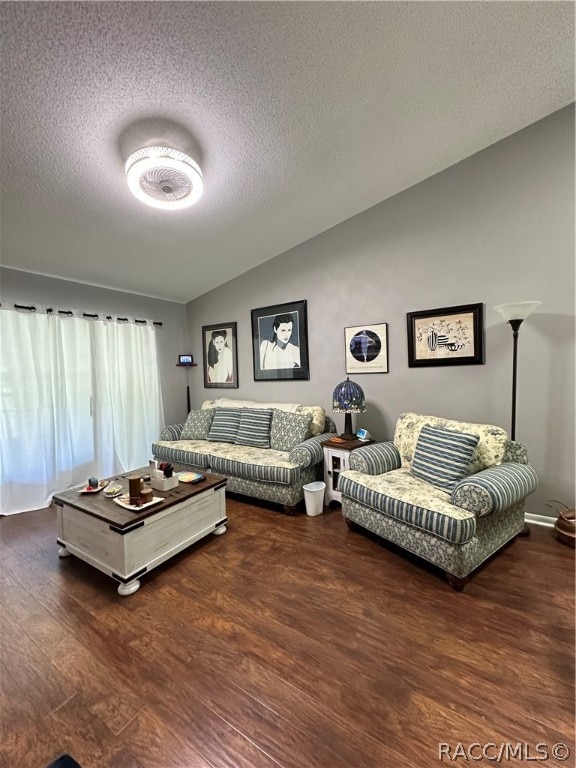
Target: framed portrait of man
x,y
280,342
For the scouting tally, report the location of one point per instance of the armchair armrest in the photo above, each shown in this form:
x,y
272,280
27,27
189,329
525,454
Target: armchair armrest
x,y
376,459
172,432
495,489
310,451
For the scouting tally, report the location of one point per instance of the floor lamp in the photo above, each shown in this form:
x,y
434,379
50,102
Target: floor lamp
x,y
515,314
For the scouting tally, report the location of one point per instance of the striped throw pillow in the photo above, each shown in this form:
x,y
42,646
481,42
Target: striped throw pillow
x,y
254,427
442,456
225,423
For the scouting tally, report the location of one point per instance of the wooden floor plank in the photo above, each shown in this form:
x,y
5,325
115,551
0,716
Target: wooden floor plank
x,y
38,680
290,642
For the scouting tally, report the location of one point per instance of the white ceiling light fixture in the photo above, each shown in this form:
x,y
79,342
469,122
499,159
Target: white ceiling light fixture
x,y
164,177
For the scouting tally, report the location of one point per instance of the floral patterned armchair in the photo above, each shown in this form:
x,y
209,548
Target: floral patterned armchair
x,y
448,491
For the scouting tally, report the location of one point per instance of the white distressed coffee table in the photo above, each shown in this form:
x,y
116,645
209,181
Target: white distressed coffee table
x,y
126,544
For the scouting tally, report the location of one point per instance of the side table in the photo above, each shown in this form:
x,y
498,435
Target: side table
x,y
336,460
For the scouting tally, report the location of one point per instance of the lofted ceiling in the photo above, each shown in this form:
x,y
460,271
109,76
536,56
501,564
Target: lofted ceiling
x,y
301,115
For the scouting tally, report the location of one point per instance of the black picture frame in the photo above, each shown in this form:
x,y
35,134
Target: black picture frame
x,y
291,353
220,373
446,336
366,348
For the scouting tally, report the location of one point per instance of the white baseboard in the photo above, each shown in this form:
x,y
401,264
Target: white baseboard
x,y
547,522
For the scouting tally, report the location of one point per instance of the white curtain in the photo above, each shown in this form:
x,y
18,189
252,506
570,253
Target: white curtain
x,y
79,398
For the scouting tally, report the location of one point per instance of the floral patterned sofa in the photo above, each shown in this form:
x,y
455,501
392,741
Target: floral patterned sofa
x,y
450,492
266,450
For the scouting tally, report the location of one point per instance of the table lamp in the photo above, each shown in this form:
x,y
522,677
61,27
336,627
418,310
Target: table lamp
x,y
348,398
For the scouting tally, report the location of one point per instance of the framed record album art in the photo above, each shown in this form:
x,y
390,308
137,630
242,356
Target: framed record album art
x,y
367,348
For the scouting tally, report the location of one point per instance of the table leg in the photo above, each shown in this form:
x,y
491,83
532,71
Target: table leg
x,y
128,589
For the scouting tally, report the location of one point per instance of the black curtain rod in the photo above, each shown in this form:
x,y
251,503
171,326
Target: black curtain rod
x,y
69,313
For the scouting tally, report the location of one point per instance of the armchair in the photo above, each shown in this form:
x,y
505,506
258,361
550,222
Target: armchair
x,y
450,492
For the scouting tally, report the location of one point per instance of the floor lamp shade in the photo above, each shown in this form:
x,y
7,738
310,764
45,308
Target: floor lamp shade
x,y
519,311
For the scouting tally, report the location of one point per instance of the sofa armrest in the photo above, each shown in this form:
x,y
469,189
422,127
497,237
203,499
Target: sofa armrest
x,y
309,452
375,459
495,489
172,432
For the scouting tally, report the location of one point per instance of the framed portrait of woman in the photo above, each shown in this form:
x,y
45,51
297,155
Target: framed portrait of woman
x,y
280,342
220,355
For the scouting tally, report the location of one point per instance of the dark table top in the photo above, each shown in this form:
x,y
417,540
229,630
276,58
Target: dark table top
x,y
98,505
346,445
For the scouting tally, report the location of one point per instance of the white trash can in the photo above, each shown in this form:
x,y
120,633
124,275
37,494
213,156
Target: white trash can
x,y
314,497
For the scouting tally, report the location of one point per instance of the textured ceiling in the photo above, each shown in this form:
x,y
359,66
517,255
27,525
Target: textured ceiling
x,y
300,114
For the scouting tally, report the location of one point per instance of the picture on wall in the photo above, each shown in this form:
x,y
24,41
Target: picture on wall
x,y
367,348
280,342
448,336
220,355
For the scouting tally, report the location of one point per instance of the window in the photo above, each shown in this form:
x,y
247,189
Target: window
x,y
79,397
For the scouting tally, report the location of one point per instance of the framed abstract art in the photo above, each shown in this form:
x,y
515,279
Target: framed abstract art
x,y
447,336
367,348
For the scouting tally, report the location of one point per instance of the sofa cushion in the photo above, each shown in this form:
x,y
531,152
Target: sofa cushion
x,y
316,411
197,425
400,495
254,427
516,453
489,452
225,424
442,456
192,452
253,463
288,430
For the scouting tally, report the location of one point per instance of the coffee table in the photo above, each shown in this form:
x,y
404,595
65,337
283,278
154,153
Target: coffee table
x,y
126,544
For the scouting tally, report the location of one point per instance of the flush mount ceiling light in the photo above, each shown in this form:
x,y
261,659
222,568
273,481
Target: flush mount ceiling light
x,y
164,178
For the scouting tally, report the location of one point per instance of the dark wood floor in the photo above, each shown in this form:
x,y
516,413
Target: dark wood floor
x,y
289,641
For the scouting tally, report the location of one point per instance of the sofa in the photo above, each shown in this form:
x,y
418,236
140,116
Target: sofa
x,y
267,451
451,492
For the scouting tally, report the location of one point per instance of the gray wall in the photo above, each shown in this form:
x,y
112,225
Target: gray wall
x,y
26,288
495,228
498,227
